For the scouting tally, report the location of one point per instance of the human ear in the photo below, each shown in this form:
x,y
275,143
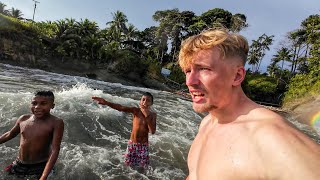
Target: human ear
x,y
239,76
53,106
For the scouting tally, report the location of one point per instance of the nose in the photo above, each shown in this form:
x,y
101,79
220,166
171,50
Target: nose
x,y
192,78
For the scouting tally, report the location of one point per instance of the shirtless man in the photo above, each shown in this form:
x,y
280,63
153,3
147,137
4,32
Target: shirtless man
x,y
41,135
144,121
238,139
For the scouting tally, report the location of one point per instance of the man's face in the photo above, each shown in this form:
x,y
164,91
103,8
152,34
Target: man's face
x,y
209,79
41,106
145,102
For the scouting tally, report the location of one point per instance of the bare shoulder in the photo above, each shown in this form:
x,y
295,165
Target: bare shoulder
x,y
270,124
24,117
283,147
57,121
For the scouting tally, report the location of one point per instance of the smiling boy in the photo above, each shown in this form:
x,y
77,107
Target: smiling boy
x,y
41,135
144,121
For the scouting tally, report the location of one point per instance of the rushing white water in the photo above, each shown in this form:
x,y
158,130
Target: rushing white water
x,y
95,136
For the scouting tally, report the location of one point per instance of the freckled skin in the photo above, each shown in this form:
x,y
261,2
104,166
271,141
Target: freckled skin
x,y
41,134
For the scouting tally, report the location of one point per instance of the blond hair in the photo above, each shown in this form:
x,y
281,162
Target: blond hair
x,y
229,45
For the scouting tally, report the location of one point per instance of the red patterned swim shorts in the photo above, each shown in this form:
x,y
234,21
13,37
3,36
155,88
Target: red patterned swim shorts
x,y
137,154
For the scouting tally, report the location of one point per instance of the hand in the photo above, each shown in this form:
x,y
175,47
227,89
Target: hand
x,y
99,100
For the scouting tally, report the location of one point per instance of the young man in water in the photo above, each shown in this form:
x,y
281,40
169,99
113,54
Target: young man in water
x,y
41,135
144,121
238,139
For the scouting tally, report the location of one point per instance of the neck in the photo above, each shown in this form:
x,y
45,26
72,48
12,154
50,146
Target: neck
x,y
42,118
231,111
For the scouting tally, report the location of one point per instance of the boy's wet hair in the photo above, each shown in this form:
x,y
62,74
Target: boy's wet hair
x,y
148,94
48,94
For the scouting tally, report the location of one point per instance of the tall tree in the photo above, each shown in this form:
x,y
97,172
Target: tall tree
x,y
16,13
3,9
238,22
118,25
257,51
283,55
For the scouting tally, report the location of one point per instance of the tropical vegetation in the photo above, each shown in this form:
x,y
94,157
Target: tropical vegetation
x,y
292,75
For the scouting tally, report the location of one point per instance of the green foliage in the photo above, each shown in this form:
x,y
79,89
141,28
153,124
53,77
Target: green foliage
x,y
261,88
176,74
303,86
154,69
129,62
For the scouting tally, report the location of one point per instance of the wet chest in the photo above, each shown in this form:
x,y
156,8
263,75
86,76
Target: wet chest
x,y
35,129
220,151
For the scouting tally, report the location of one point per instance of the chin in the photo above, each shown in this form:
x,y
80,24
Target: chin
x,y
201,108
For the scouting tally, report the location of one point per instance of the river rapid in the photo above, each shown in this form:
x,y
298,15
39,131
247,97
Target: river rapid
x,y
95,136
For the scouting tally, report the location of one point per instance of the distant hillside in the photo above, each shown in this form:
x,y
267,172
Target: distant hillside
x,y
18,42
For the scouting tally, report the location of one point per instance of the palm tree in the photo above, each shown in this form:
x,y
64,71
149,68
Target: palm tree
x,y
284,54
3,10
16,13
118,25
273,69
257,51
300,47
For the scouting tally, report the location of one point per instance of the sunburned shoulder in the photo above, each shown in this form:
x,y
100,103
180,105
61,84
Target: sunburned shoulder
x,y
266,121
278,132
279,142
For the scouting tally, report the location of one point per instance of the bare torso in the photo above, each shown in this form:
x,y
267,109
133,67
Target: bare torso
x,y
245,150
36,139
140,130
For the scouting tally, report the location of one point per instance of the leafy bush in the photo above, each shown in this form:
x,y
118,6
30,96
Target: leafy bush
x,y
261,88
302,86
177,74
129,62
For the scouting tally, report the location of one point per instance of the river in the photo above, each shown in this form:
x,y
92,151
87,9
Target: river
x,y
95,136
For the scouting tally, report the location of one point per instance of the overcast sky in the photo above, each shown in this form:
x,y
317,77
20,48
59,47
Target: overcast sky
x,y
272,17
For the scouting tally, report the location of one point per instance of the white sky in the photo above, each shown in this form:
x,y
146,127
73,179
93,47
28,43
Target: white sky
x,y
272,17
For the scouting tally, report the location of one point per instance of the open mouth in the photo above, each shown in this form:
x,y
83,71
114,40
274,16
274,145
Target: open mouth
x,y
38,113
197,95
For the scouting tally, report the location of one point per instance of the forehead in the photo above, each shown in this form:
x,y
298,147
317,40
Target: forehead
x,y
208,56
146,97
41,98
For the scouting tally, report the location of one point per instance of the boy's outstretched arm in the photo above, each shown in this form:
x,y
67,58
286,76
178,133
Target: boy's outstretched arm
x,y
114,105
55,148
14,131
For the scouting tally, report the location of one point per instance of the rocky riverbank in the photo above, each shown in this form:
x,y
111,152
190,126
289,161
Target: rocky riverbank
x,y
76,68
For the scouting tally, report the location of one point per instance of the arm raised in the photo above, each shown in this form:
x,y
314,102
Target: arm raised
x,y
114,105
